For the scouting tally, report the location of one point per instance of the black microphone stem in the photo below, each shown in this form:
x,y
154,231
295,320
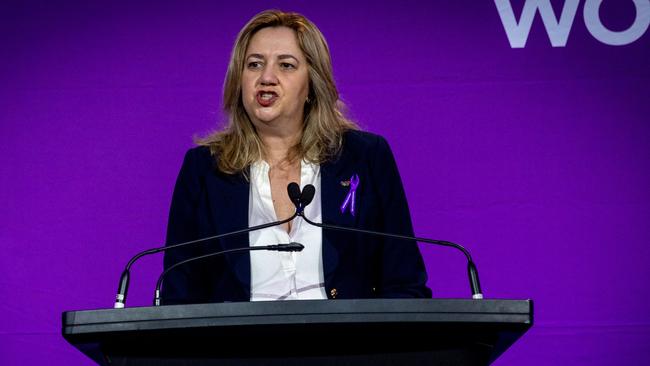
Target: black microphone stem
x,y
120,298
291,247
254,228
471,267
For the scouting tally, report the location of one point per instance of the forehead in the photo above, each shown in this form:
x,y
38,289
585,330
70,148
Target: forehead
x,y
272,41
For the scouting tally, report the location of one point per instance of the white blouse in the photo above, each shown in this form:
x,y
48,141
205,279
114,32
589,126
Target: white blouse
x,y
285,275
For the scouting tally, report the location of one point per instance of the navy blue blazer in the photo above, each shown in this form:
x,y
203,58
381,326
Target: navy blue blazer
x,y
207,202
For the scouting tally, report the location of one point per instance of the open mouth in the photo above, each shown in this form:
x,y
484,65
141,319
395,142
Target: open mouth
x,y
266,98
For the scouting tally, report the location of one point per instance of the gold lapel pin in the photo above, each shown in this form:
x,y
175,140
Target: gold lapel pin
x,y
345,183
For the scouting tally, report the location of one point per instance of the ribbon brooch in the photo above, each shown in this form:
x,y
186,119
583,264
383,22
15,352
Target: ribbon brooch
x,y
351,197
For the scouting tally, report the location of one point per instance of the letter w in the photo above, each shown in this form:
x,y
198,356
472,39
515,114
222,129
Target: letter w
x,y
558,32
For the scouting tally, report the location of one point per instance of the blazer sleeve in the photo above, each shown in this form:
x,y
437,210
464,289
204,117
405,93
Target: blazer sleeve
x,y
403,273
185,284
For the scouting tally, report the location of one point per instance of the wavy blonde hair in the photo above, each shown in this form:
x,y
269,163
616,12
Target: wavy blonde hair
x,y
238,145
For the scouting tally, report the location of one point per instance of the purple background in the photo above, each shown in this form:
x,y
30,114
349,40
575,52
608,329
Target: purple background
x,y
536,159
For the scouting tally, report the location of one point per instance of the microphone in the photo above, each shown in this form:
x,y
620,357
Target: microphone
x,y
123,286
300,199
293,189
308,194
291,247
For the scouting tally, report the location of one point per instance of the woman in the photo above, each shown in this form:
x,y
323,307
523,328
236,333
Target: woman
x,y
285,125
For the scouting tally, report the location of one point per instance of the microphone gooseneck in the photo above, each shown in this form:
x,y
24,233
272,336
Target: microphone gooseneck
x,y
123,286
475,286
290,247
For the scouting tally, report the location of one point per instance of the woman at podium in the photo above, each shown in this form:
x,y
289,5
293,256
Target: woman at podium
x,y
285,124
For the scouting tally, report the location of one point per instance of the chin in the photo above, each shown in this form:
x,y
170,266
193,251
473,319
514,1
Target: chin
x,y
266,117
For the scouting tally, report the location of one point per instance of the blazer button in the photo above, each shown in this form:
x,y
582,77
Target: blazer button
x,y
333,293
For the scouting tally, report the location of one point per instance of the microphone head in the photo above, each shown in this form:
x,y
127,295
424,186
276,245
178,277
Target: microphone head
x,y
291,247
307,195
296,247
294,193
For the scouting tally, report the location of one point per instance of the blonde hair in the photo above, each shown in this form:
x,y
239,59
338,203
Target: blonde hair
x,y
238,145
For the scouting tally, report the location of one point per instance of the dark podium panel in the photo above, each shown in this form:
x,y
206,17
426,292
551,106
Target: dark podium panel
x,y
308,332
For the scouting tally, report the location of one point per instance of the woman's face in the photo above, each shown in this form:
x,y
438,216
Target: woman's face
x,y
275,81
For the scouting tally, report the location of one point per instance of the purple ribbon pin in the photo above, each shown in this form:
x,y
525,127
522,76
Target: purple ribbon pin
x,y
351,197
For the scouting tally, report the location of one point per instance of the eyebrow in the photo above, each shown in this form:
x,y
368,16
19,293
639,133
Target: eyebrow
x,y
280,57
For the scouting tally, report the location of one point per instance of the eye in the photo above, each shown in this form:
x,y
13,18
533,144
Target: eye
x,y
254,65
287,65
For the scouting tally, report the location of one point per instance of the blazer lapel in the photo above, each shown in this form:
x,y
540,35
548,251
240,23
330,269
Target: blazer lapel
x,y
335,177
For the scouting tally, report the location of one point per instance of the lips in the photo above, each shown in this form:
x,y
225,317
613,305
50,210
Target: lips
x,y
266,98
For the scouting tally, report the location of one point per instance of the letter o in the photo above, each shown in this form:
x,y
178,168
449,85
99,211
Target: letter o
x,y
634,32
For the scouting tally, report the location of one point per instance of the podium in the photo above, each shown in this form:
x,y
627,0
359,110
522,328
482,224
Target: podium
x,y
306,332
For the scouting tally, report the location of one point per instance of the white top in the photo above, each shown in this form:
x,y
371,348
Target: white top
x,y
285,275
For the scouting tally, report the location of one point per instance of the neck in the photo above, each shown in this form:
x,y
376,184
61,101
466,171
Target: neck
x,y
277,146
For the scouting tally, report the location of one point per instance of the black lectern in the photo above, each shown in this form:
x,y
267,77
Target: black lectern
x,y
308,332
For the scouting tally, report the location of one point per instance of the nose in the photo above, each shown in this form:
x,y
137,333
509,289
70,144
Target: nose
x,y
268,76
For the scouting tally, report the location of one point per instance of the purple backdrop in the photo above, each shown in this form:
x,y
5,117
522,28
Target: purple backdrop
x,y
534,157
